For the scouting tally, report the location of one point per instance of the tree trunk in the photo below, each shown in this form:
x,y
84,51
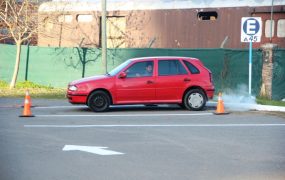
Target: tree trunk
x,y
17,64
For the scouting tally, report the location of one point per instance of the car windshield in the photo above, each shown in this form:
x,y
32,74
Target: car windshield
x,y
119,68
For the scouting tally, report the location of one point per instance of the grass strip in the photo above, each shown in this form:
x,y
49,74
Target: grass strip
x,y
264,101
35,90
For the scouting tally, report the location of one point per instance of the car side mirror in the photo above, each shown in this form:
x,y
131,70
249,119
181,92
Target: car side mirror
x,y
122,75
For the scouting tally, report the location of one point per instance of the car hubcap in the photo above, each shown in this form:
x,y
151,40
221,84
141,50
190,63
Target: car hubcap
x,y
195,100
99,101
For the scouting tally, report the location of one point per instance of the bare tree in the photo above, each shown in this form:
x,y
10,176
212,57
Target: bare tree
x,y
20,19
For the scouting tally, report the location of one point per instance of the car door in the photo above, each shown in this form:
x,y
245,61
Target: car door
x,y
138,86
172,79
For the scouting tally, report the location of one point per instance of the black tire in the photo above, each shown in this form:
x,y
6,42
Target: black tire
x,y
99,101
195,100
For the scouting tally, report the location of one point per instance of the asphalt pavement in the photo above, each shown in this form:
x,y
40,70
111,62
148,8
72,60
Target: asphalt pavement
x,y
64,141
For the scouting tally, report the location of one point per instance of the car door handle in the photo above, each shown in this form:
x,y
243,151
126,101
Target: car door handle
x,y
187,79
149,82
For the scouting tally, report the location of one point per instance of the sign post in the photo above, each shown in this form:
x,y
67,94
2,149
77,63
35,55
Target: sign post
x,y
251,28
250,68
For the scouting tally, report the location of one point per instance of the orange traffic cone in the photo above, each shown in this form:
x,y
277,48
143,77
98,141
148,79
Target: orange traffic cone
x,y
220,106
27,106
27,96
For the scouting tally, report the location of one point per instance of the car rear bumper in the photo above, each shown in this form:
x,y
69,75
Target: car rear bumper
x,y
210,93
77,99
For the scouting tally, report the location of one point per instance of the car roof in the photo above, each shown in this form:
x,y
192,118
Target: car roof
x,y
163,57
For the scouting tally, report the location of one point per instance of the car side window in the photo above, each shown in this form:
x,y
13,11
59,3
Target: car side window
x,y
140,69
191,67
170,67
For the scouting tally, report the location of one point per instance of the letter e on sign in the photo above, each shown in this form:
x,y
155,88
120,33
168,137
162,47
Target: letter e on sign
x,y
251,28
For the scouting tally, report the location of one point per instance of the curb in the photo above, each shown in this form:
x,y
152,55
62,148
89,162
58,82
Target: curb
x,y
244,106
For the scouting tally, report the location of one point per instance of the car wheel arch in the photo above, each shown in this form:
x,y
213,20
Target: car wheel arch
x,y
100,89
194,87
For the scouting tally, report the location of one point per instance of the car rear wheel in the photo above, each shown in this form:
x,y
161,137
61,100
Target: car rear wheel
x,y
195,99
99,101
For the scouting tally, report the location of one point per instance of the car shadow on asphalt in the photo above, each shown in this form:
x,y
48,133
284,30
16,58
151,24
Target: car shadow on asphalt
x,y
142,108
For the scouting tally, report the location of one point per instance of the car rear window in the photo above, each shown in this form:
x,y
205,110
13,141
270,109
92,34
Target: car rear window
x,y
170,67
191,67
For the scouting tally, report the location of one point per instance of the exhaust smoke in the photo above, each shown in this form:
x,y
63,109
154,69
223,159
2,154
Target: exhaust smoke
x,y
238,99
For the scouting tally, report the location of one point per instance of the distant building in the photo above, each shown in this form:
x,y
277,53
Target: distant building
x,y
158,24
6,36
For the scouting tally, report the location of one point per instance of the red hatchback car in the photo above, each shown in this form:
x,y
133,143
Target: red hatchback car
x,y
148,80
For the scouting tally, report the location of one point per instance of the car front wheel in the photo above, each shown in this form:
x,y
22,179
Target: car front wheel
x,y
99,101
194,99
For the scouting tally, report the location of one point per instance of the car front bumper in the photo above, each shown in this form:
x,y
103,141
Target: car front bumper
x,y
77,99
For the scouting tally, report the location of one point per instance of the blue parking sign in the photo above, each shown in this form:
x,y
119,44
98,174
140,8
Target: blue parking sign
x,y
251,28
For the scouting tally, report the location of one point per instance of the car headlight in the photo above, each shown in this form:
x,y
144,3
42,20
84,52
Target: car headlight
x,y
72,88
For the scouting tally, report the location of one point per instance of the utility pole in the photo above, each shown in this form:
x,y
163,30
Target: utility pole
x,y
103,36
271,16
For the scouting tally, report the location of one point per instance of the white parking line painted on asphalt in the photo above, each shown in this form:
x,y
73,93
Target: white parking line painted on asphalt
x,y
120,115
154,125
57,107
91,149
241,106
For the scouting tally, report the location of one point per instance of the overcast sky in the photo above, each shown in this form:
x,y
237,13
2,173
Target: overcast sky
x,y
190,1
177,4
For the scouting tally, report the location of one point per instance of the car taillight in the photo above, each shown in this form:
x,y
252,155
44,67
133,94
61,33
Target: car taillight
x,y
211,78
